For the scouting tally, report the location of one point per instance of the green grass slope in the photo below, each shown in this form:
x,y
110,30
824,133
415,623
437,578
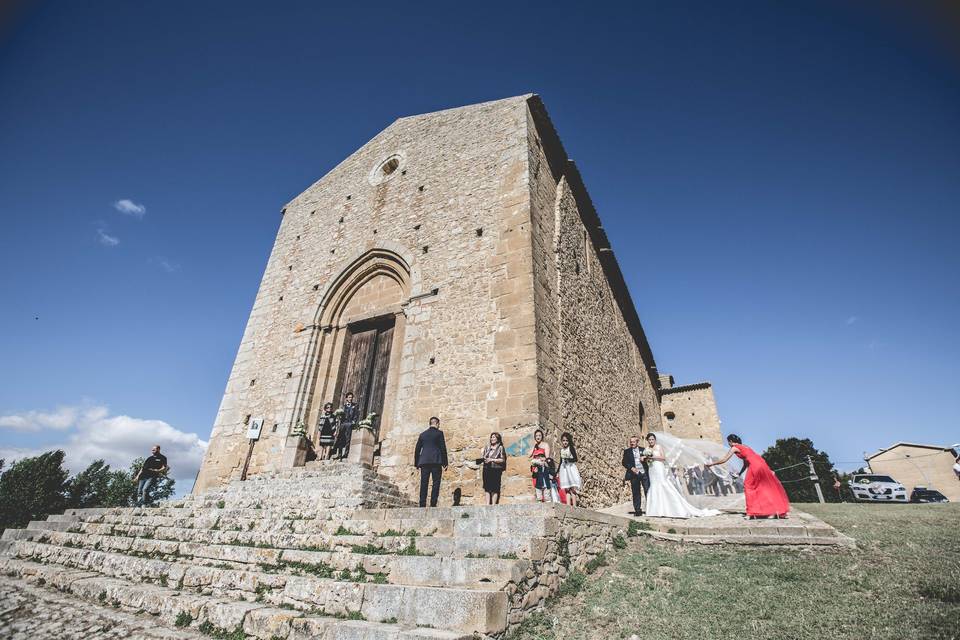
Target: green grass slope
x,y
902,582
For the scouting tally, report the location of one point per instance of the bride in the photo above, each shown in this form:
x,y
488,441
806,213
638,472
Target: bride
x,y
664,500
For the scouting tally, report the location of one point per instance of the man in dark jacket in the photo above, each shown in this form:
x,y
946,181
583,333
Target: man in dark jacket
x,y
430,457
636,465
348,421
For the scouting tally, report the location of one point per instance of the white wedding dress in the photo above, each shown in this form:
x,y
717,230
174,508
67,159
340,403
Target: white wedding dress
x,y
664,500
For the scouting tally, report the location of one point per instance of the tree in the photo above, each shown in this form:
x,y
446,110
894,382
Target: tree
x,y
32,488
98,486
792,451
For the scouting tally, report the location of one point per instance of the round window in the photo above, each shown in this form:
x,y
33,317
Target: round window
x,y
388,168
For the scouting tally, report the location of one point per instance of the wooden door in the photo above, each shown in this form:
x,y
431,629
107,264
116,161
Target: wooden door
x,y
356,368
378,374
365,366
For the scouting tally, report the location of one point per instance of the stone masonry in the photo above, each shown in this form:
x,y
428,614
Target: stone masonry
x,y
471,234
690,411
254,559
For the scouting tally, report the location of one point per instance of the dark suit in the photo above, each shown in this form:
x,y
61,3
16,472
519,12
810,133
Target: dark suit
x,y
430,456
637,480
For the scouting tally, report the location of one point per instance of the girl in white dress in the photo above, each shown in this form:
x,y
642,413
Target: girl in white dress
x,y
569,473
664,499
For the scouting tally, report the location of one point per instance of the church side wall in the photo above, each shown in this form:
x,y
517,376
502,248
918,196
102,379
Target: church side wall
x,y
592,378
457,211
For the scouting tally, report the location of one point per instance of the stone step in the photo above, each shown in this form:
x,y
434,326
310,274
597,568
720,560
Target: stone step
x,y
455,609
256,619
484,524
764,540
794,527
36,611
305,488
166,539
178,509
417,570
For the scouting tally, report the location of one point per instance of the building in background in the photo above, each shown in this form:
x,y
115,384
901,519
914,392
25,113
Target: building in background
x,y
689,411
918,465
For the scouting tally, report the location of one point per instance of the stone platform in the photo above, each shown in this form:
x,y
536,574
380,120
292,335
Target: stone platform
x,y
281,557
733,527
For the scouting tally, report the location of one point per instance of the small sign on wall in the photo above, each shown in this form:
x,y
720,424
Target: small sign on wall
x,y
253,430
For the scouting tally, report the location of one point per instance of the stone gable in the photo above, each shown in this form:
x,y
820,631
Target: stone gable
x,y
465,241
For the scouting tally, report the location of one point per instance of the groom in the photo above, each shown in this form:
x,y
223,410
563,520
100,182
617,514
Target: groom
x,y
636,465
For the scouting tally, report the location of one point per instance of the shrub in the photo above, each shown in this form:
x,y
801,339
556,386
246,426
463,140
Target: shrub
x,y
573,584
600,560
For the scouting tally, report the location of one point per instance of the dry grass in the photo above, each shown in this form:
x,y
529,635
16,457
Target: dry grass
x,y
903,581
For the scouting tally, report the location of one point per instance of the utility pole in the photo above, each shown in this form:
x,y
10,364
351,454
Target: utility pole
x,y
815,479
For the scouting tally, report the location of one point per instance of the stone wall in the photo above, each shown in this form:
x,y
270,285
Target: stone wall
x,y
575,537
593,378
690,411
453,217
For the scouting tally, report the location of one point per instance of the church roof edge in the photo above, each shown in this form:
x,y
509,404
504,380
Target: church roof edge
x,y
561,164
521,98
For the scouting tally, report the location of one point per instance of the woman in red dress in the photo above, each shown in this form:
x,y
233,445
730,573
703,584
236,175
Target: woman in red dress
x,y
764,493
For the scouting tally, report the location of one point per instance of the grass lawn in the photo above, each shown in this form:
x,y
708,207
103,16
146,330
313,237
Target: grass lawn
x,y
902,582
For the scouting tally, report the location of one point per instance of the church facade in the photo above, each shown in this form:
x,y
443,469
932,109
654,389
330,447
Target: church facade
x,y
453,266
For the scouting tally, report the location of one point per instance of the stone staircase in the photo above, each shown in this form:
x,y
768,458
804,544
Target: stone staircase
x,y
320,484
301,555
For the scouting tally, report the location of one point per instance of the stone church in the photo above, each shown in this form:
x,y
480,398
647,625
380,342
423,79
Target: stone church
x,y
453,266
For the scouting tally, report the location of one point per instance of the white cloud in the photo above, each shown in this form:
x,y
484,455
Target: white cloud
x,y
106,239
92,433
130,208
852,319
59,420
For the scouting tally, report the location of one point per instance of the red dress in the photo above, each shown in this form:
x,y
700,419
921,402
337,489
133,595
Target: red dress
x,y
764,493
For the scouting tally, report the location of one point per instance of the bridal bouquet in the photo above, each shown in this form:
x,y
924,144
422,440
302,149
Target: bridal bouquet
x,y
648,451
339,413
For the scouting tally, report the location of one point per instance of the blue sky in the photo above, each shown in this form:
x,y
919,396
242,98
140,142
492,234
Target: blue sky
x,y
781,185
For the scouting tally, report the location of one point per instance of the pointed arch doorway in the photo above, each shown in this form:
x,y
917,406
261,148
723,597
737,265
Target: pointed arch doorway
x,y
357,340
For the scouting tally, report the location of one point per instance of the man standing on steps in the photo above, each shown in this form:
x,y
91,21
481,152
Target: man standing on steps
x,y
430,456
350,416
153,467
636,465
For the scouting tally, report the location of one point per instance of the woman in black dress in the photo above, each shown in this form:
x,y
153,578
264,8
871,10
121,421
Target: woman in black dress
x,y
494,462
326,426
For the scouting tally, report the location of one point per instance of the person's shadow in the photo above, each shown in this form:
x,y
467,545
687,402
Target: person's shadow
x,y
457,495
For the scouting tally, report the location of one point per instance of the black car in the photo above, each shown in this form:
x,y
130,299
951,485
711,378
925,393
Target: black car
x,y
922,494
